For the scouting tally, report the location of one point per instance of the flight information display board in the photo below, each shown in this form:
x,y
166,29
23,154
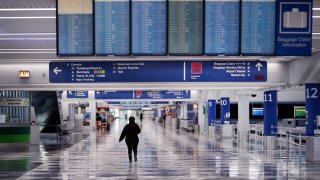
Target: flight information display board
x,y
185,27
112,27
222,19
258,27
75,27
149,34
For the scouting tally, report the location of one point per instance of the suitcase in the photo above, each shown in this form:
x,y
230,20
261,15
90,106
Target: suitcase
x,y
295,19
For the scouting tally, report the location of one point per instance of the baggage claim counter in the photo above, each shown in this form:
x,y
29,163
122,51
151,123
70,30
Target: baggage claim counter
x,y
14,134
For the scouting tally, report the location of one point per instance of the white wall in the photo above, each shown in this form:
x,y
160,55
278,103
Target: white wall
x,y
92,105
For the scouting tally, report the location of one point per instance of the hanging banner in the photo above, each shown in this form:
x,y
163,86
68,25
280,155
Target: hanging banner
x,y
294,28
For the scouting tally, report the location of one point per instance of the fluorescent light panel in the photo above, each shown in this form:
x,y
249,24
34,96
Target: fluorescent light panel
x,y
34,17
29,34
28,9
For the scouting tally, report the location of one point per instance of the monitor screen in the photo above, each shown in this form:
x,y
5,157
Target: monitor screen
x,y
257,111
299,111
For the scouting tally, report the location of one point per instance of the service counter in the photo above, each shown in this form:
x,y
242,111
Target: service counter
x,y
14,134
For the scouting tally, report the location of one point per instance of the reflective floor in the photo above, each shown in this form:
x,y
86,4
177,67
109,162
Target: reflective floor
x,y
164,153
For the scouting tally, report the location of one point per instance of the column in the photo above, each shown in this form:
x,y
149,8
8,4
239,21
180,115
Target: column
x,y
243,125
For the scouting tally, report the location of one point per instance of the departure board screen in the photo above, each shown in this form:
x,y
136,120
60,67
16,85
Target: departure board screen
x,y
185,27
149,34
112,27
222,21
75,27
258,27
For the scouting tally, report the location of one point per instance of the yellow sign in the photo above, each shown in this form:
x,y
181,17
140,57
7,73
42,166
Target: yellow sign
x,y
24,74
14,102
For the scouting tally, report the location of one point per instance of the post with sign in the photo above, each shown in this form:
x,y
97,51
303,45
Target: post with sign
x,y
211,112
211,116
312,107
312,93
270,117
225,110
270,113
226,129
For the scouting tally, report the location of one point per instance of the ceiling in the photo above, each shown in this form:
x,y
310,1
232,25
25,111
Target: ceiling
x,y
28,33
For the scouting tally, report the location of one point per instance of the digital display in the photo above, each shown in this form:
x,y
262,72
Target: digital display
x,y
149,34
185,27
75,27
222,27
257,111
112,27
299,112
258,27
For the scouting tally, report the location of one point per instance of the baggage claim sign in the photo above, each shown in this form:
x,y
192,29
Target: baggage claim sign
x,y
294,27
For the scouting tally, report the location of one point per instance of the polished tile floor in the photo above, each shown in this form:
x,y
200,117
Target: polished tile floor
x,y
165,153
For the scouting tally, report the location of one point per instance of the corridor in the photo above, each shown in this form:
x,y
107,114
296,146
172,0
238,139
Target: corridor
x,y
164,153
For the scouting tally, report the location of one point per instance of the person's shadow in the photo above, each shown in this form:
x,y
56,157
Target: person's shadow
x,y
132,172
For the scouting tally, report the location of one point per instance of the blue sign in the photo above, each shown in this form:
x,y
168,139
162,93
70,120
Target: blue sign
x,y
114,95
294,28
138,102
222,27
258,27
162,94
185,21
226,71
112,27
211,112
312,107
225,110
77,94
75,28
270,113
158,71
149,27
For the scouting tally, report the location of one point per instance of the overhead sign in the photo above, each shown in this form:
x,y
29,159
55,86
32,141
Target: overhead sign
x,y
114,95
226,71
14,102
77,94
138,102
294,28
158,71
162,94
183,94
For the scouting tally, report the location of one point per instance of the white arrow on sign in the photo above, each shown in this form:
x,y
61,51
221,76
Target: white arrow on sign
x,y
56,70
70,92
259,66
98,92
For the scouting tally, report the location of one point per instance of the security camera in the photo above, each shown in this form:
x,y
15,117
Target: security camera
x,y
253,95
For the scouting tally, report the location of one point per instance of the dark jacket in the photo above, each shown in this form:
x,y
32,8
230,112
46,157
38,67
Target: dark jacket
x,y
130,132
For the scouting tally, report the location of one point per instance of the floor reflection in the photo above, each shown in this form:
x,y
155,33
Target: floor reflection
x,y
164,153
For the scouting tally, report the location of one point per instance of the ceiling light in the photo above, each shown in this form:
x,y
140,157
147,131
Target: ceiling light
x,y
28,9
23,34
34,17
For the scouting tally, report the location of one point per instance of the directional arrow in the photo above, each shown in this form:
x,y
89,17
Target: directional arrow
x,y
259,66
56,70
98,92
70,92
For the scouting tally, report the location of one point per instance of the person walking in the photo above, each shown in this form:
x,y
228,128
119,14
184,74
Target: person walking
x,y
130,132
141,116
